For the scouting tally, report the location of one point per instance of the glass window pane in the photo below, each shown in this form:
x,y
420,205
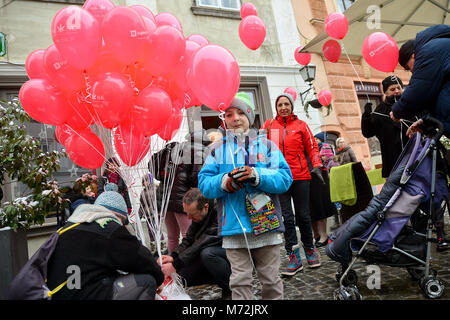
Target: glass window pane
x,y
230,4
211,3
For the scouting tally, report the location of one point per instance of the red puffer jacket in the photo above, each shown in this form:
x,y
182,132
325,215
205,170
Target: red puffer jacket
x,y
295,139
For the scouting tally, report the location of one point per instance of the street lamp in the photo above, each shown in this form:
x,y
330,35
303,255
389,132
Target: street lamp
x,y
308,74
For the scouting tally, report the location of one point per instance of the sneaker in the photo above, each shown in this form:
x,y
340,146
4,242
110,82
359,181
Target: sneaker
x,y
442,245
295,263
312,256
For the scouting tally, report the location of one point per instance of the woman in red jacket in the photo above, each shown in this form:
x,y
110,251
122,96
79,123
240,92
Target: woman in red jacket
x,y
296,141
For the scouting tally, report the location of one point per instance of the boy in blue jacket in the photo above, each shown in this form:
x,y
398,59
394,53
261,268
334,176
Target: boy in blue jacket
x,y
263,171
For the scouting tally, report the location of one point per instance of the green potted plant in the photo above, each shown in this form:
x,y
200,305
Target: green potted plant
x,y
22,159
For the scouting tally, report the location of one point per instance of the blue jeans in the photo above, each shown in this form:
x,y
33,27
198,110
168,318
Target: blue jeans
x,y
299,193
211,267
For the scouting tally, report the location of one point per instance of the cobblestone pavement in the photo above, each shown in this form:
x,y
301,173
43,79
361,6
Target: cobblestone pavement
x,y
320,283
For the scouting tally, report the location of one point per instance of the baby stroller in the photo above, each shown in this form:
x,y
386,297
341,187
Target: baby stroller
x,y
380,234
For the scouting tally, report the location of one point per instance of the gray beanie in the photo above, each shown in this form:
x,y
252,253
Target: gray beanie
x,y
287,95
242,102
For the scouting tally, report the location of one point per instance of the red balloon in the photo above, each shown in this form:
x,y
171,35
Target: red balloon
x,y
43,102
173,124
130,144
214,76
82,113
86,150
180,73
152,109
144,12
292,92
168,19
332,50
125,34
112,99
302,58
167,46
63,75
380,51
76,34
106,62
62,133
248,9
252,32
199,39
336,25
34,65
98,8
143,79
324,97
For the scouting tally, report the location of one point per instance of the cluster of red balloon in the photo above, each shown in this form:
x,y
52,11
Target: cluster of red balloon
x,y
124,69
252,29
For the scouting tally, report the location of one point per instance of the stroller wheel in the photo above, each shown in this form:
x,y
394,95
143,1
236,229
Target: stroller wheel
x,y
354,292
416,273
350,279
432,287
342,294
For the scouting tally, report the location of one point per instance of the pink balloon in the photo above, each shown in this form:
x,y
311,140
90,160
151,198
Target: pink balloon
x,y
112,99
332,50
98,8
43,102
144,12
34,65
252,32
152,109
86,150
336,25
248,9
167,46
125,34
302,58
292,92
63,75
168,19
380,51
130,144
168,131
214,76
199,39
324,97
76,34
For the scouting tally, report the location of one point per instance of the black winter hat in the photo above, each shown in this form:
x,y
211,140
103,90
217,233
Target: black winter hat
x,y
388,81
405,52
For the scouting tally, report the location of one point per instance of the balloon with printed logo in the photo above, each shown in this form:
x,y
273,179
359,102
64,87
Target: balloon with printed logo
x,y
85,149
252,32
63,132
144,12
336,25
332,50
43,102
168,19
292,92
302,58
63,75
76,34
248,9
112,99
82,115
125,34
152,109
380,51
170,129
324,97
167,46
214,76
34,65
150,27
199,39
131,145
98,8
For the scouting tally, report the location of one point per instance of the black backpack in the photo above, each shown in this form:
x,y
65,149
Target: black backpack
x,y
30,282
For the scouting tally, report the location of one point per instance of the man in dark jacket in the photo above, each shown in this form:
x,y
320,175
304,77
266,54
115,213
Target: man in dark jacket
x,y
200,258
93,256
428,58
391,134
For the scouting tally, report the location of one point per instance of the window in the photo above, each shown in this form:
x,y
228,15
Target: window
x,y
344,4
222,4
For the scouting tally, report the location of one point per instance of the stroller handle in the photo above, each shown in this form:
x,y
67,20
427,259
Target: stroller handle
x,y
432,122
